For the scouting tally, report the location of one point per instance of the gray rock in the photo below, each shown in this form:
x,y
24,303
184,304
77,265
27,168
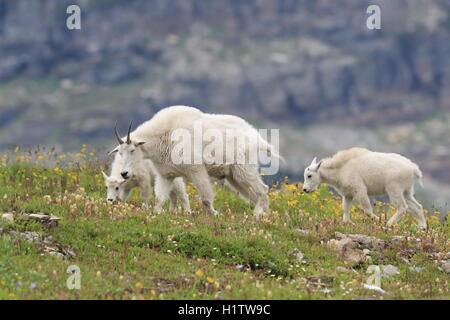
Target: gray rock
x,y
299,257
342,269
49,221
8,216
445,266
305,232
389,271
364,241
416,269
348,245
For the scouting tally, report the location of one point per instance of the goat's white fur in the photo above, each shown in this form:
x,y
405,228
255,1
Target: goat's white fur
x,y
153,137
358,173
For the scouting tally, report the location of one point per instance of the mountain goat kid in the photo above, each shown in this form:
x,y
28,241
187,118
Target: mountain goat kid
x,y
156,140
145,177
358,173
118,188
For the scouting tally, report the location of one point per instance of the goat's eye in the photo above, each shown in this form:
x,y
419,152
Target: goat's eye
x,y
310,176
117,188
132,151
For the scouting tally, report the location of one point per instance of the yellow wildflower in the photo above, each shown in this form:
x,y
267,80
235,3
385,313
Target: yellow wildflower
x,y
199,272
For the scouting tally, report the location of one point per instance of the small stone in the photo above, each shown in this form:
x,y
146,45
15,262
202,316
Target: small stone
x,y
354,256
326,290
390,270
320,280
299,256
416,269
445,267
397,239
59,255
333,244
305,232
342,269
364,241
8,216
49,221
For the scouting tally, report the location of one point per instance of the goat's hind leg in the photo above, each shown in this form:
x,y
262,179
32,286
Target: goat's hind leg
x,y
248,178
416,208
179,188
173,201
241,190
398,200
205,189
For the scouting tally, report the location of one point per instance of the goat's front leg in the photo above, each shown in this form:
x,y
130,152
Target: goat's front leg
x,y
162,190
364,200
346,204
146,189
173,200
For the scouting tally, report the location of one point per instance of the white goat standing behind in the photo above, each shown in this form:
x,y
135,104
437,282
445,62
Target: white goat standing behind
x,y
145,177
358,173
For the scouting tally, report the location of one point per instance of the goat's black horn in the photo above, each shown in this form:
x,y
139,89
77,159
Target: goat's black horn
x,y
117,135
129,131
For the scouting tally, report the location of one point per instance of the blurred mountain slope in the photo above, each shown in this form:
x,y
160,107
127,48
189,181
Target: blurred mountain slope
x,y
296,64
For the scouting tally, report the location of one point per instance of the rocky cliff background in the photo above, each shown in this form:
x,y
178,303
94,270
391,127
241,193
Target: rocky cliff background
x,y
310,68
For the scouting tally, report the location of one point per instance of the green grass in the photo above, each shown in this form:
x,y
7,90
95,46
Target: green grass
x,y
126,251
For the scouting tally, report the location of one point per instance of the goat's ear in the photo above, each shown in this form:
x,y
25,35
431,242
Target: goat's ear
x,y
114,151
318,165
314,166
104,175
139,143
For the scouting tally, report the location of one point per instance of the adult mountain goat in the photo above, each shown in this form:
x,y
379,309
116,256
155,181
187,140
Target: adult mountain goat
x,y
119,184
358,173
178,141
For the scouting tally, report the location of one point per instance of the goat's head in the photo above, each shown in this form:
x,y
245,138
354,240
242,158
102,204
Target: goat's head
x,y
312,176
130,151
113,187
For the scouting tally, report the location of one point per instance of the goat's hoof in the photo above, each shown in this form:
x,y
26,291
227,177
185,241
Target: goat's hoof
x,y
376,218
215,213
390,225
260,214
423,228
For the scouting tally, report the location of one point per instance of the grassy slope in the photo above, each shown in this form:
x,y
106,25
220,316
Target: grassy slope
x,y
128,252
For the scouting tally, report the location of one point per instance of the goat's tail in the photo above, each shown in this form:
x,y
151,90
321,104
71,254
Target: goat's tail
x,y
266,146
418,175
